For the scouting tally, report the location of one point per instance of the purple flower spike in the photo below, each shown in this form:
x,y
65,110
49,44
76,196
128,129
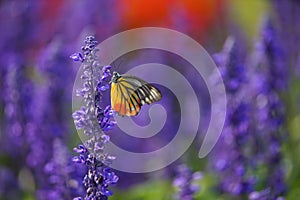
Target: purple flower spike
x,y
184,183
77,57
228,160
269,112
94,121
104,88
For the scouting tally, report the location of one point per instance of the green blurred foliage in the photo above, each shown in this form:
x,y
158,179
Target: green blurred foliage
x,y
291,148
148,191
247,14
163,190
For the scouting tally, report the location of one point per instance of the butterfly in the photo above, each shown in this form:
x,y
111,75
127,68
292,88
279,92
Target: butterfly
x,y
128,94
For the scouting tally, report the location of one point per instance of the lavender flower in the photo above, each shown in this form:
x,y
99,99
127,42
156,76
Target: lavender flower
x,y
231,64
8,184
98,177
54,176
230,159
60,175
253,133
18,119
16,103
262,195
185,183
104,116
269,114
275,57
94,121
288,31
34,96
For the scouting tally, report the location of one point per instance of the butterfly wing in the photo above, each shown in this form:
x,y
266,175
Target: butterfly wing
x,y
129,93
148,93
124,100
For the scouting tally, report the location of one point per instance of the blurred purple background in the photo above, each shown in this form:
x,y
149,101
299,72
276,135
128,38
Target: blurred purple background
x,y
260,70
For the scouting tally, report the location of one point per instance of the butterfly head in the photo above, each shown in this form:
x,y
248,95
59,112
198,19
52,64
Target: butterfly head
x,y
115,77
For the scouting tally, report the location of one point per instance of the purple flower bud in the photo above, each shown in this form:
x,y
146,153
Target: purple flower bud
x,y
105,138
76,159
77,57
104,87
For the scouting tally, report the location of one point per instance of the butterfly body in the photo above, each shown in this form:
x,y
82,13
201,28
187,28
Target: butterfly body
x,y
129,93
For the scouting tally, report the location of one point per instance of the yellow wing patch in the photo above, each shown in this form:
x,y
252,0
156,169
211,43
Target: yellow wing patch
x,y
123,99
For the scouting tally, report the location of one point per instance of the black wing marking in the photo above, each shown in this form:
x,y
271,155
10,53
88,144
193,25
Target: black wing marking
x,y
148,93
